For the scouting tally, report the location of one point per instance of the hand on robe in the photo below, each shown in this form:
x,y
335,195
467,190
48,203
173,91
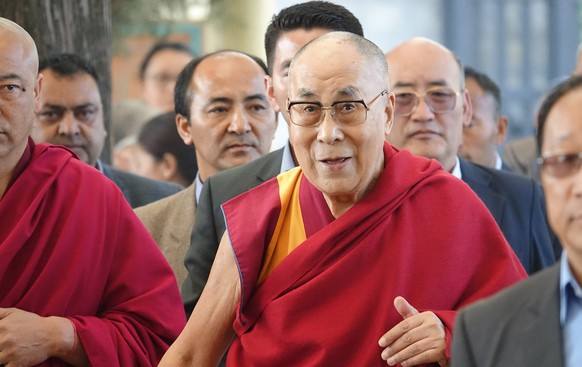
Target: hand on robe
x,y
27,339
418,339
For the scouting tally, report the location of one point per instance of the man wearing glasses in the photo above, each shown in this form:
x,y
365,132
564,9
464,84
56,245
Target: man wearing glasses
x,y
431,108
539,321
320,261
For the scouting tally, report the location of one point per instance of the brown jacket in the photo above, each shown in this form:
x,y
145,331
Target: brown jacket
x,y
170,222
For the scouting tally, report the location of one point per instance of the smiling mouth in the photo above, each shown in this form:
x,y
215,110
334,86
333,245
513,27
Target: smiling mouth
x,y
334,161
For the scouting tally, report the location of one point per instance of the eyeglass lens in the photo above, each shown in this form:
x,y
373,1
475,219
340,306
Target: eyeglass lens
x,y
562,165
438,100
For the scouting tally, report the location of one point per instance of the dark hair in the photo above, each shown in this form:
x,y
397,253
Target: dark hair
x,y
309,15
182,93
66,64
559,91
160,136
158,47
487,84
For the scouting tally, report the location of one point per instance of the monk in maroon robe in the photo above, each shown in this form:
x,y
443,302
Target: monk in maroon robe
x,y
81,281
319,262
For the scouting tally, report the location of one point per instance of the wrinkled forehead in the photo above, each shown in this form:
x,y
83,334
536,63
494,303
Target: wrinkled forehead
x,y
336,78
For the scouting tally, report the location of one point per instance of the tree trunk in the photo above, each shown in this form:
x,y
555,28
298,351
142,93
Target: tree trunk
x,y
82,27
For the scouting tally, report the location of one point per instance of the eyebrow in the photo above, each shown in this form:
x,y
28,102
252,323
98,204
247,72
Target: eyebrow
x,y
260,96
229,100
349,91
10,76
285,65
435,83
56,106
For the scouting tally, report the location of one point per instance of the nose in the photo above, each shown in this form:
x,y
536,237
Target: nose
x,y
578,182
329,131
68,125
422,112
240,122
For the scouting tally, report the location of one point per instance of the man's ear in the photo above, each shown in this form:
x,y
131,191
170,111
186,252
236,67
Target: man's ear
x,y
183,126
467,108
37,87
389,111
271,93
502,123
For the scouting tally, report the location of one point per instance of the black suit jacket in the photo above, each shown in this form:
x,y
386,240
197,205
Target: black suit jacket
x,y
517,204
518,327
139,190
209,226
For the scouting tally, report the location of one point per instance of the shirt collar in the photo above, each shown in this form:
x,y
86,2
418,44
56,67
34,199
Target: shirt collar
x,y
569,287
198,186
457,169
287,163
498,161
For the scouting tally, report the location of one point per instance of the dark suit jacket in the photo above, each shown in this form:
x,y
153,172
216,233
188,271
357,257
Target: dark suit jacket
x,y
210,227
517,204
139,190
518,327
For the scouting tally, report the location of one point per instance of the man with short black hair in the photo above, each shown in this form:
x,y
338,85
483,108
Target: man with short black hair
x,y
71,114
223,111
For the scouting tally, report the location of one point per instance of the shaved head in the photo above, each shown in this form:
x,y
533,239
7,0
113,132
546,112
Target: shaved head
x,y
10,29
19,90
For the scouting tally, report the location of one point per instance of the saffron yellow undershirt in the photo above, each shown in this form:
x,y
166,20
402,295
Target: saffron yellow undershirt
x,y
289,230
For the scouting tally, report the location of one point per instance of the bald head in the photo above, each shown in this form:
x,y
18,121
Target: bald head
x,y
15,33
327,46
433,52
432,105
19,90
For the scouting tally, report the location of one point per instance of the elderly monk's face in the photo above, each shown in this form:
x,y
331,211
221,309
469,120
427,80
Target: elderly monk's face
x,y
19,88
340,160
562,135
71,114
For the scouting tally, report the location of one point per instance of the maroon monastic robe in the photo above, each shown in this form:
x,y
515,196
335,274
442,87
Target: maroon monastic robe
x,y
420,233
71,246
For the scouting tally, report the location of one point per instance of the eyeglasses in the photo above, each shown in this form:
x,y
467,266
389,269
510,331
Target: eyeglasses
x,y
438,99
311,114
561,165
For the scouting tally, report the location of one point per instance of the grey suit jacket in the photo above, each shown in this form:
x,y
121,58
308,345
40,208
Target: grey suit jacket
x,y
139,190
519,326
170,221
210,226
520,155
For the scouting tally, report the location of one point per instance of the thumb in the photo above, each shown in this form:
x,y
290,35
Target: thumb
x,y
404,308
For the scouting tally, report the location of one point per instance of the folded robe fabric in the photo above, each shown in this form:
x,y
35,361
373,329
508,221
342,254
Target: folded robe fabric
x,y
71,246
420,233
